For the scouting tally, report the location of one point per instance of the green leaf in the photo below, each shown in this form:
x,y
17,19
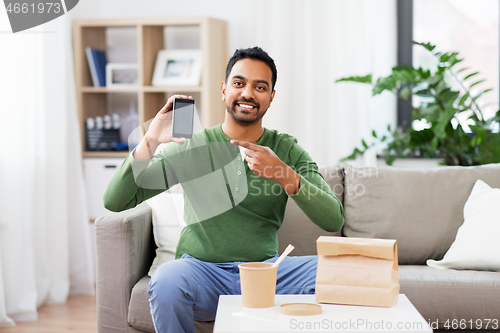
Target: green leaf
x,y
363,142
428,46
481,93
353,156
423,93
384,83
478,82
454,60
361,79
374,134
405,93
407,152
470,75
383,138
463,69
418,138
434,143
390,159
449,60
463,99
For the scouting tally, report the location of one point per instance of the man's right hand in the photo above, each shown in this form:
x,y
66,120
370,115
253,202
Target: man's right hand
x,y
160,131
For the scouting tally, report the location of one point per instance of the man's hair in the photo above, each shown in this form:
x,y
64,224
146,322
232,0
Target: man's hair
x,y
254,53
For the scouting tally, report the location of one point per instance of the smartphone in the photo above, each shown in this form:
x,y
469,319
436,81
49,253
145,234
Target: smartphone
x,y
182,122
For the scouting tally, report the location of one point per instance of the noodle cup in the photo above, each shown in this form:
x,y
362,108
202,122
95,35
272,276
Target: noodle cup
x,y
258,284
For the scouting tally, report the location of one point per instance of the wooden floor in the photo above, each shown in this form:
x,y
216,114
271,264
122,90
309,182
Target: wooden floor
x,y
78,315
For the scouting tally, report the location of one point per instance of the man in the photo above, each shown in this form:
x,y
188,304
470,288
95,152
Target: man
x,y
274,168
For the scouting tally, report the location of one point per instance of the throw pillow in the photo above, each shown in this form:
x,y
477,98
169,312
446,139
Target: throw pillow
x,y
168,222
421,208
476,245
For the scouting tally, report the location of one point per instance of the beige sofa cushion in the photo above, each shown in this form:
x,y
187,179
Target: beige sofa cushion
x,y
441,295
297,229
421,208
139,315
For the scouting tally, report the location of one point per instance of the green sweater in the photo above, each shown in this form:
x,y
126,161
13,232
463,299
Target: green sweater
x,y
231,213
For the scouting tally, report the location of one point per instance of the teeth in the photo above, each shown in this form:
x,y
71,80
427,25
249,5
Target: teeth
x,y
245,106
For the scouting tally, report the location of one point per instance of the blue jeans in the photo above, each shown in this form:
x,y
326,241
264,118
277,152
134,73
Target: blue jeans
x,y
188,289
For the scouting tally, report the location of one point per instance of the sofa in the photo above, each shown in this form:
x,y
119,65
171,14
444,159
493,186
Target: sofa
x,y
421,208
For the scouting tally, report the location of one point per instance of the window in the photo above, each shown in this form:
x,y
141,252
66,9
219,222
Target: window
x,y
468,27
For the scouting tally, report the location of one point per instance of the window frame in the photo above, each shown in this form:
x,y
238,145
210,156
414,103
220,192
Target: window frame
x,y
405,55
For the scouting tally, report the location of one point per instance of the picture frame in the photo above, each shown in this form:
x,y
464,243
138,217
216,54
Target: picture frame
x,y
177,68
121,75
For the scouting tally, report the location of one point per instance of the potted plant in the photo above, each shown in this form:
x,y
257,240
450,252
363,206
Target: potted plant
x,y
457,143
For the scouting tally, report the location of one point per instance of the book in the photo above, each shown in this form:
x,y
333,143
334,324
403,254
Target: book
x,y
90,60
97,64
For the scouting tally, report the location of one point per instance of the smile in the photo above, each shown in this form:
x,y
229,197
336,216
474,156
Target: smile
x,y
246,107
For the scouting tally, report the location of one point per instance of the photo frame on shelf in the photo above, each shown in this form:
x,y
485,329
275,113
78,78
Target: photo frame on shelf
x,y
177,68
121,75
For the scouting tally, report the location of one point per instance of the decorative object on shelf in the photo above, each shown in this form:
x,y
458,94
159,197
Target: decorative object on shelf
x,y
471,142
121,75
103,133
97,64
130,126
177,68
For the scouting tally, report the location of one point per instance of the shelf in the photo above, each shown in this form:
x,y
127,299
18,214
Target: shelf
x,y
108,90
165,89
172,89
141,44
127,22
105,154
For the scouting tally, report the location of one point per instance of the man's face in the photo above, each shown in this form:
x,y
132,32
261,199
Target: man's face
x,y
248,93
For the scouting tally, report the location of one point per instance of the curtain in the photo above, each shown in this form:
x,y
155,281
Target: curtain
x,y
45,244
315,43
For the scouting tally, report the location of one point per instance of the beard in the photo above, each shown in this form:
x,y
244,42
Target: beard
x,y
245,117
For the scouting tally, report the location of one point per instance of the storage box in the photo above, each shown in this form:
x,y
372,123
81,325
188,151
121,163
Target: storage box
x,y
102,139
357,271
98,173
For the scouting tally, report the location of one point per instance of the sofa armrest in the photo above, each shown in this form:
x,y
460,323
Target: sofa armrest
x,y
123,257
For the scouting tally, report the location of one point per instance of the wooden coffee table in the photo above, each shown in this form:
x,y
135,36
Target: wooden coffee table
x,y
402,317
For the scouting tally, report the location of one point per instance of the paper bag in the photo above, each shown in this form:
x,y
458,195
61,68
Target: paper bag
x,y
357,271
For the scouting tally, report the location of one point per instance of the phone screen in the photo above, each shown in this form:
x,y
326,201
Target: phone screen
x,y
182,126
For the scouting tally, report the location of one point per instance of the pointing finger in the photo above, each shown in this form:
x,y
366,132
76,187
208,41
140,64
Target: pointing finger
x,y
245,144
250,153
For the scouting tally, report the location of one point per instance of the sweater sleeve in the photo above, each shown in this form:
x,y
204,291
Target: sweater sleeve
x,y
136,181
315,197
